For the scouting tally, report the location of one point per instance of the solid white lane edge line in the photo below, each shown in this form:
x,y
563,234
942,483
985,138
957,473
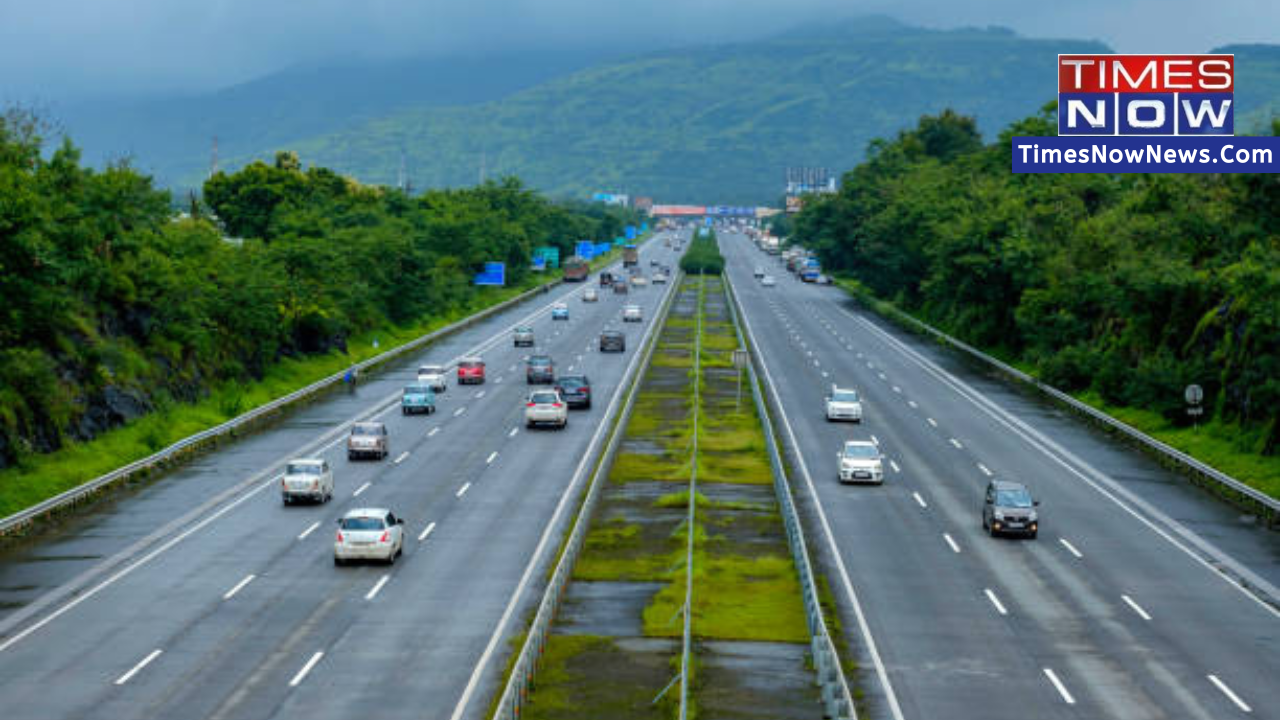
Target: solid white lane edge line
x,y
984,469
430,526
895,467
147,661
1227,691
1057,684
932,422
954,547
434,430
919,500
513,432
297,679
956,443
463,490
492,456
994,600
310,529
400,458
1070,548
376,587
1136,607
240,585
361,489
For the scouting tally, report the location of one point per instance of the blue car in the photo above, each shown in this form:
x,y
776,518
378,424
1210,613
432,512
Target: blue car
x,y
560,311
418,398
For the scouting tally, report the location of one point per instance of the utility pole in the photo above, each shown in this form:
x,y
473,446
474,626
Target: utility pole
x,y
213,160
402,181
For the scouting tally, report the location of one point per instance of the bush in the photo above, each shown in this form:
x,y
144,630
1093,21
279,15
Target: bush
x,y
703,256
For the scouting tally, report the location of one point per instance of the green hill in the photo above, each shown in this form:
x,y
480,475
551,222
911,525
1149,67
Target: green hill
x,y
716,123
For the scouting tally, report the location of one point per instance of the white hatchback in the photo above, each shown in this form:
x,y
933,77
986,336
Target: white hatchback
x,y
306,479
368,534
433,375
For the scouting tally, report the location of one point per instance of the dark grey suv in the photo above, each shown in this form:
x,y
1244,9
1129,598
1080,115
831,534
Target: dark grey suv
x,y
540,370
1008,509
613,341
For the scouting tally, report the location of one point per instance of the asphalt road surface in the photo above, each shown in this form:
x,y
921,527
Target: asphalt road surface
x,y
1130,603
203,596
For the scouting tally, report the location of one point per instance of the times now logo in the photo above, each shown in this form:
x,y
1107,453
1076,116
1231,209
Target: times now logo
x,y
1146,94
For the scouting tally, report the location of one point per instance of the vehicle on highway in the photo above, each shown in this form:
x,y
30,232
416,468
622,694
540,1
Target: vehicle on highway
x,y
606,279
639,281
613,341
523,336
575,269
630,255
559,311
368,439
632,313
540,370
844,404
417,398
861,461
653,262
306,479
824,279
590,295
368,534
768,281
471,371
759,272
620,288
1008,509
659,278
546,407
434,376
575,390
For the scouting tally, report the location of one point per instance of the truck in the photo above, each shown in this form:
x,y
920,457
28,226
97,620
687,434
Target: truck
x,y
630,255
575,269
810,270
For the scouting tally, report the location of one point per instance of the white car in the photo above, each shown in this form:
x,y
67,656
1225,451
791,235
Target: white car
x,y
433,375
759,273
639,281
546,407
860,461
306,479
659,278
768,281
844,404
632,313
590,295
368,534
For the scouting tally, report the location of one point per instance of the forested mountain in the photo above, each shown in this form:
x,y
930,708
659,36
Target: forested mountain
x,y
114,307
1128,286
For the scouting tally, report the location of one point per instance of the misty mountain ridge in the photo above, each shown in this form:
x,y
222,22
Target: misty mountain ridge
x,y
712,123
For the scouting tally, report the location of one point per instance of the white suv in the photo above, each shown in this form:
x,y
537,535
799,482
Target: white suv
x,y
306,479
844,404
433,375
546,407
632,313
861,461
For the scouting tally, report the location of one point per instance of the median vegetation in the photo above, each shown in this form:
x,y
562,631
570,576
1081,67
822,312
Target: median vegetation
x,y
703,256
1122,289
130,324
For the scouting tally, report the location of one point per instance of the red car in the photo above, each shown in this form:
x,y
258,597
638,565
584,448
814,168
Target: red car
x,y
471,371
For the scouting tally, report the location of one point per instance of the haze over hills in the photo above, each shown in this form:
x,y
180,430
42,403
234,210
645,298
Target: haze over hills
x,y
715,123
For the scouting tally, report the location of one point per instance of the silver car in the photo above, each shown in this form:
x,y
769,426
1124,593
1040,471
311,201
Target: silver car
x,y
768,281
368,439
632,313
844,404
368,534
860,461
306,479
1008,509
523,336
546,407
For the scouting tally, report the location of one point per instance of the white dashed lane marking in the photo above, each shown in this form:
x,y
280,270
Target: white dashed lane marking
x,y
302,674
1070,548
463,490
134,670
426,532
361,489
992,597
240,585
310,529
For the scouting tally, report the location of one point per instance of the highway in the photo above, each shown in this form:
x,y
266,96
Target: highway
x,y
202,596
1129,605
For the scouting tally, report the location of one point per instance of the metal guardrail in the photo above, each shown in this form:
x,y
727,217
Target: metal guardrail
x,y
1269,507
837,700
516,691
188,445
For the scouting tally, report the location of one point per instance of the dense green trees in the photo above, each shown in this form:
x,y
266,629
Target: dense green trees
x,y
1131,286
703,256
113,304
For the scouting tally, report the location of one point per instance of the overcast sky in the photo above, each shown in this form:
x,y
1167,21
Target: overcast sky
x,y
60,48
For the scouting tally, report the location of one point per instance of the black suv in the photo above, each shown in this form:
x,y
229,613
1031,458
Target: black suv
x,y
1008,509
540,370
613,341
575,390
